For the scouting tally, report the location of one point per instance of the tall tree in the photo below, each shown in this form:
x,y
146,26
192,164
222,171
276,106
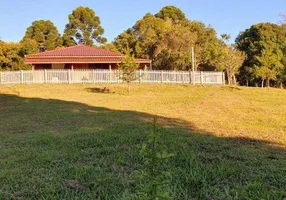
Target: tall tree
x,y
268,67
264,45
28,46
167,38
83,28
45,34
173,13
208,47
231,60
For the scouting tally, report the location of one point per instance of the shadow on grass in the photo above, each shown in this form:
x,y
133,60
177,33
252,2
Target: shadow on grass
x,y
99,90
45,143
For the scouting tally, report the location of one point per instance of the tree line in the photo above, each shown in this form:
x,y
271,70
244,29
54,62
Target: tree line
x,y
257,58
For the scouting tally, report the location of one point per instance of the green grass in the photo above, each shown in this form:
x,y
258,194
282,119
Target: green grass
x,y
230,143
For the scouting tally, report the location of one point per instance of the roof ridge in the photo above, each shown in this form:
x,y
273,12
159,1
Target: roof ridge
x,y
48,51
62,49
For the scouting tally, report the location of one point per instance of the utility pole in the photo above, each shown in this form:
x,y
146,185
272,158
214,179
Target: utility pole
x,y
193,66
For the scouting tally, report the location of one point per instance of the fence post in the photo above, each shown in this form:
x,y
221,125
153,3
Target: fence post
x,y
0,77
118,76
69,76
45,76
162,77
140,76
202,77
93,76
223,78
190,76
183,77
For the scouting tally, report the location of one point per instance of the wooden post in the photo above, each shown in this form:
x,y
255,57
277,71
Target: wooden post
x,y
162,76
22,76
202,77
118,76
110,72
93,76
183,77
45,76
0,77
69,76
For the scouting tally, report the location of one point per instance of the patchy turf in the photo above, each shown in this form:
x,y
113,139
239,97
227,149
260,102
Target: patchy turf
x,y
80,141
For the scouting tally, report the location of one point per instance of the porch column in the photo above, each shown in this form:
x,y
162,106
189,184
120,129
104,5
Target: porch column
x,y
110,67
71,66
33,67
145,67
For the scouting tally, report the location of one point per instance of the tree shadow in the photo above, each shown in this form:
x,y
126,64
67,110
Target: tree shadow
x,y
99,90
46,142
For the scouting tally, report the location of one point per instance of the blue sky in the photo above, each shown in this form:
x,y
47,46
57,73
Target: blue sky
x,y
226,16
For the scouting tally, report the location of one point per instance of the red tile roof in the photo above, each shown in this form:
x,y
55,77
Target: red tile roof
x,y
78,54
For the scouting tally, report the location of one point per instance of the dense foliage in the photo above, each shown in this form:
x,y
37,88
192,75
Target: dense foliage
x,y
127,70
11,55
265,47
45,34
167,38
83,28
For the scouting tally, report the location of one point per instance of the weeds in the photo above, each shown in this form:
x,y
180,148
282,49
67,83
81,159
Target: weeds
x,y
155,176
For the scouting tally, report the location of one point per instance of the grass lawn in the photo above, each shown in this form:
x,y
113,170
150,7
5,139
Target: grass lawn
x,y
229,143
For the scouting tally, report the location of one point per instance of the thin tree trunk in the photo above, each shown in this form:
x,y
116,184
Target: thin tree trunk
x,y
229,79
262,83
268,82
281,85
246,82
234,79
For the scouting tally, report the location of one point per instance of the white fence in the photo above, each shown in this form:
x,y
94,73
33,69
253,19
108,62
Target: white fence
x,y
109,76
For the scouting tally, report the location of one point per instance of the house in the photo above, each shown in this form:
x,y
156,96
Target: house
x,y
79,57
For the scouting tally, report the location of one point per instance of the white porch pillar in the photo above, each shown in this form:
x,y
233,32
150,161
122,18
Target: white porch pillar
x,y
110,68
72,67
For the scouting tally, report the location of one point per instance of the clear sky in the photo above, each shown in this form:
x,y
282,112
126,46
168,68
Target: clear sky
x,y
226,16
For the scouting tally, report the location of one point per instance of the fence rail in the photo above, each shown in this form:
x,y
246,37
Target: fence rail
x,y
109,76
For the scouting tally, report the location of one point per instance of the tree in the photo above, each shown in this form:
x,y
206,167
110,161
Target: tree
x,y
268,66
109,47
10,56
167,38
28,46
208,47
264,44
83,28
126,42
45,34
232,60
127,69
173,13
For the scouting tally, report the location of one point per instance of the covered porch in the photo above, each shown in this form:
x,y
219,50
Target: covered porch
x,y
71,66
